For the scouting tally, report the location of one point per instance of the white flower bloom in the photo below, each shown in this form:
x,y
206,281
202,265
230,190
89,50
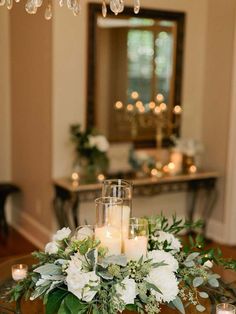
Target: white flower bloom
x,y
84,233
128,291
166,282
99,141
62,234
208,264
80,283
159,256
173,243
51,248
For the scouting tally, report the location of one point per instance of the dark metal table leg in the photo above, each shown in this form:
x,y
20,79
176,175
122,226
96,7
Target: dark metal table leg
x,y
75,208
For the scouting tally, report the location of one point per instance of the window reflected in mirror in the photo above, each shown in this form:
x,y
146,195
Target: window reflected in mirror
x,y
137,76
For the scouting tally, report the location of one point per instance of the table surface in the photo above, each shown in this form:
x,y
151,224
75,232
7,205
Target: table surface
x,y
74,186
36,307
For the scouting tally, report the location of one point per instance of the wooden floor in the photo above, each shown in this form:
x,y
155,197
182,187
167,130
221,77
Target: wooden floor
x,y
14,245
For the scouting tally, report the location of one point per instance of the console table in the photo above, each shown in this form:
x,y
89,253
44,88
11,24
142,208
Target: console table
x,y
69,194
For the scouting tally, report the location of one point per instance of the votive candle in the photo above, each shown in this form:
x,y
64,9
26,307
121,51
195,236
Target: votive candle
x,y
110,238
225,308
19,271
135,248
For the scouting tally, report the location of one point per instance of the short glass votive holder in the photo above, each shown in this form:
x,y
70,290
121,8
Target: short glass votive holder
x,y
136,244
108,229
19,271
225,308
84,231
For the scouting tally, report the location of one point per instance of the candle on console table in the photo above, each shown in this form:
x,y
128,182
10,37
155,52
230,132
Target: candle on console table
x,y
110,237
135,248
19,272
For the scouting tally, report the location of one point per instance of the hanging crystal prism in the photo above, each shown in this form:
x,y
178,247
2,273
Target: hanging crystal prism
x,y
76,8
9,4
38,3
136,6
104,8
48,12
61,3
115,6
30,7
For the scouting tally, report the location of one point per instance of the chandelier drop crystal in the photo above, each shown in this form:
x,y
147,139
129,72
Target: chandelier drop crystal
x,y
31,6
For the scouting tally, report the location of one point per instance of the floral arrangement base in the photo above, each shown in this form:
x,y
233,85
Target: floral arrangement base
x,y
75,274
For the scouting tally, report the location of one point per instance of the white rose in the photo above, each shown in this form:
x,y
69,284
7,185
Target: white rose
x,y
173,243
51,248
62,234
159,256
84,233
208,264
127,290
80,283
166,282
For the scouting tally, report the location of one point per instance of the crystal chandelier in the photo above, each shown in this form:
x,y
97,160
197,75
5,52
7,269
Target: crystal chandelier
x,y
31,6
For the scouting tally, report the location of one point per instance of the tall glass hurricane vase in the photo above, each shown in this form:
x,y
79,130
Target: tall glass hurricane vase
x,y
121,189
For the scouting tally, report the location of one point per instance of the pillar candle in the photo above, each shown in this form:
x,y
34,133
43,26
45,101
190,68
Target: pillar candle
x,y
110,237
136,247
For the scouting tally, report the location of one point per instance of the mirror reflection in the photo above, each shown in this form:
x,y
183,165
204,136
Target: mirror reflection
x,y
138,82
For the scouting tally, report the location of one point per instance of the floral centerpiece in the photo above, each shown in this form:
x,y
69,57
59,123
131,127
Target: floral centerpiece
x,y
91,151
75,274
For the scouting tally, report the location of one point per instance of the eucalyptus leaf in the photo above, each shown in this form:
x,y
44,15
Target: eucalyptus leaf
x,y
198,281
203,295
200,308
48,269
105,275
213,282
92,256
153,287
189,264
120,260
192,256
178,304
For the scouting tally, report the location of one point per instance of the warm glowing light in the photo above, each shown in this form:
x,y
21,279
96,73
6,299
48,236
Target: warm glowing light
x,y
152,105
141,109
159,97
192,169
139,104
130,107
157,110
163,106
166,169
177,110
154,172
100,177
75,176
119,105
171,166
134,95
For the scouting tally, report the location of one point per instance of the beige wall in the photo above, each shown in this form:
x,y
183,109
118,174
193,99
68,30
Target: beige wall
x,y
48,91
31,101
5,121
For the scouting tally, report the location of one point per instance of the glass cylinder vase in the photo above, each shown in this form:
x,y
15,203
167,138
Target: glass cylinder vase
x,y
108,229
136,244
121,189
